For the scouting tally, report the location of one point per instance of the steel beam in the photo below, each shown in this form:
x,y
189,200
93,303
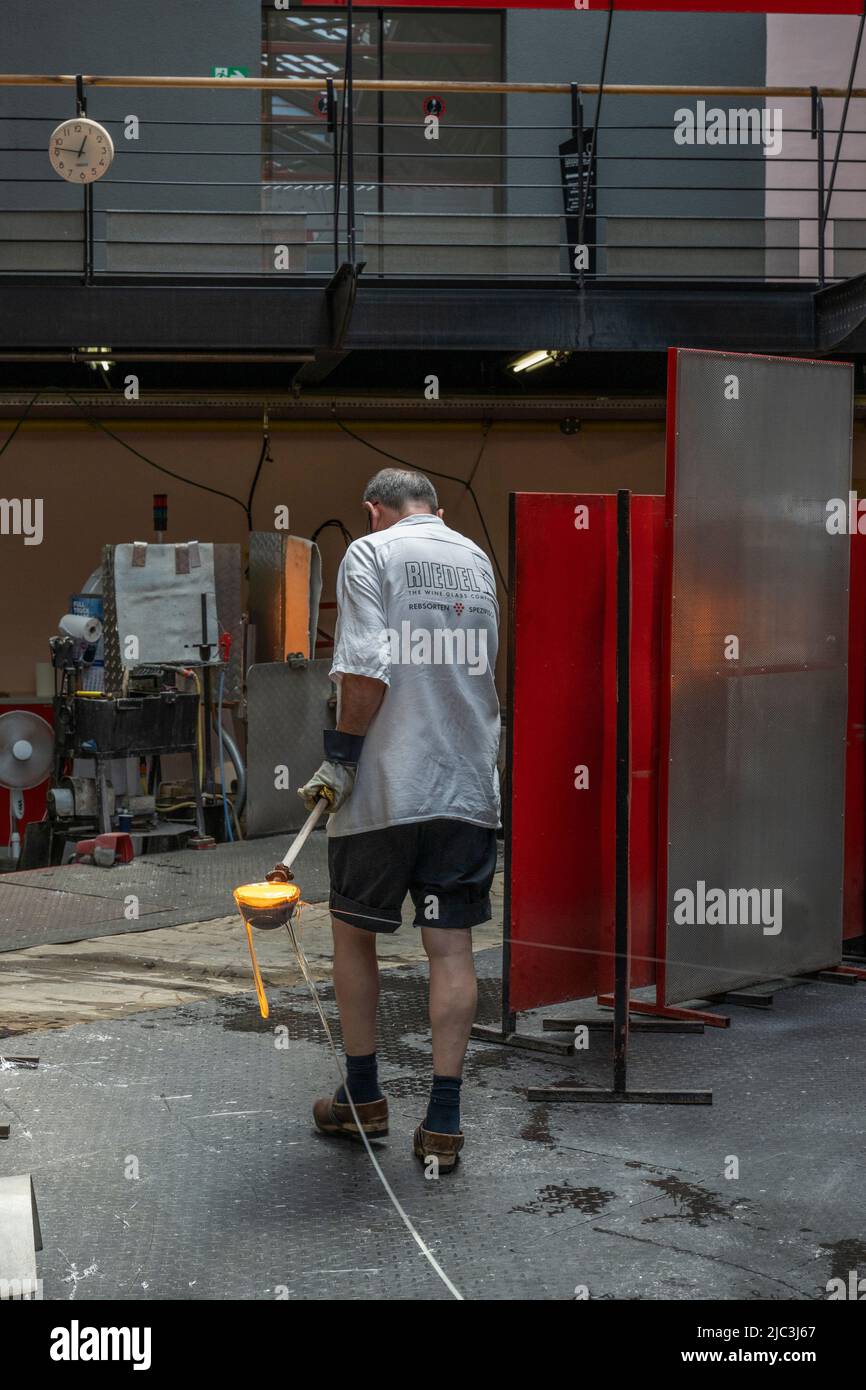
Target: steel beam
x,y
257,315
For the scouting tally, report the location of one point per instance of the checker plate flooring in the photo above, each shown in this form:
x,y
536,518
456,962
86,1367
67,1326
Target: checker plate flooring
x,y
173,1158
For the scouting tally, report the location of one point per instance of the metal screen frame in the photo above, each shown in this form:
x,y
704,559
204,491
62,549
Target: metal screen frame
x,y
754,747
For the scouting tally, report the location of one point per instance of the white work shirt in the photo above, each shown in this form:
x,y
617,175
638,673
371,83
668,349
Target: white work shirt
x,y
417,609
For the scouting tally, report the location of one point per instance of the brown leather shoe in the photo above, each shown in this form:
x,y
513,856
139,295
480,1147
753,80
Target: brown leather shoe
x,y
445,1148
335,1117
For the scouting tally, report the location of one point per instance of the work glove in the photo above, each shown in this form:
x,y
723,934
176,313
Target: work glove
x,y
334,781
335,778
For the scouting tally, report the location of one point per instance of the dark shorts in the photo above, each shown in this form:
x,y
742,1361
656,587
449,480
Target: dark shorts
x,y
446,865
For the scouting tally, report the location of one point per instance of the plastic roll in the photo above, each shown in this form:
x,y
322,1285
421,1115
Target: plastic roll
x,y
82,626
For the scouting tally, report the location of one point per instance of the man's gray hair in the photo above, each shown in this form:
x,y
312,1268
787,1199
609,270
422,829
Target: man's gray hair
x,y
395,487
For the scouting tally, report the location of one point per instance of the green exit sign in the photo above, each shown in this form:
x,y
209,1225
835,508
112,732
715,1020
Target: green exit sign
x,y
230,72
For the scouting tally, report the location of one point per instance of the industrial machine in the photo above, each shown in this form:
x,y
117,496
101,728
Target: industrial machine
x,y
159,697
152,665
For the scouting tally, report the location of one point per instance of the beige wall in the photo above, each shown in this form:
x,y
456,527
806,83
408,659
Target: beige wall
x,y
816,50
95,492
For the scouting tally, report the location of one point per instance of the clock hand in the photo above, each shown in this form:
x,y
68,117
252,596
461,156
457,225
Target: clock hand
x,y
83,143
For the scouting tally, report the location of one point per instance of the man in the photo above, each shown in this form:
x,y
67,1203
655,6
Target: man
x,y
410,772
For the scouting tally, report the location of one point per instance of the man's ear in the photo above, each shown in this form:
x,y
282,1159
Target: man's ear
x,y
440,513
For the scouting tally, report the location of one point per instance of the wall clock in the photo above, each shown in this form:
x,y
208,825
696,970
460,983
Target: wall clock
x,y
80,150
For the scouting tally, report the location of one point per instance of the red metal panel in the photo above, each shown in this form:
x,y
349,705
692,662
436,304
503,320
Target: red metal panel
x,y
855,767
562,694
560,879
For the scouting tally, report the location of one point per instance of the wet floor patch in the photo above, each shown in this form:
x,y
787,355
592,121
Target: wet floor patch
x,y
555,1199
845,1256
695,1205
537,1127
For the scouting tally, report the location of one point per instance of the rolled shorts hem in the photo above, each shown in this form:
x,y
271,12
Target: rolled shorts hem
x,y
356,914
456,915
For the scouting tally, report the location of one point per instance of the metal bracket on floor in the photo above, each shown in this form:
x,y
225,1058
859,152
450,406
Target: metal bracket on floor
x,y
748,1001
525,1041
636,1025
671,1011
837,975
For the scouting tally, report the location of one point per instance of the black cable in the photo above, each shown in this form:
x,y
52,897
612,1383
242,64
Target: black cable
x,y
334,521
160,468
826,211
584,192
434,474
264,457
485,430
19,422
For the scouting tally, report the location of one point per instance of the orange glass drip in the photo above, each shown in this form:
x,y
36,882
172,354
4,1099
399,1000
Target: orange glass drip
x,y
268,897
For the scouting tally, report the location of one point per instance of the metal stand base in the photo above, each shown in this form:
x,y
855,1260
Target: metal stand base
x,y
599,1095
636,1025
748,1001
838,976
482,1033
637,1006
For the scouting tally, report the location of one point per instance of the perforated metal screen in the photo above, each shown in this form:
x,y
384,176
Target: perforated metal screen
x,y
758,675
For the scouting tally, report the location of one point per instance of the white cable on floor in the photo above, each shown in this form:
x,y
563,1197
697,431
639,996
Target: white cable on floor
x,y
425,1251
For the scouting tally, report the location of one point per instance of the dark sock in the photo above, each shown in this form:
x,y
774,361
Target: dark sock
x,y
362,1078
443,1112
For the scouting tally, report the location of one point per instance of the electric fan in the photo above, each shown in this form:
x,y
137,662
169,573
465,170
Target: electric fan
x,y
26,756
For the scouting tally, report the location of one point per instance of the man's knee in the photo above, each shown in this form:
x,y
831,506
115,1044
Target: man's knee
x,y
442,942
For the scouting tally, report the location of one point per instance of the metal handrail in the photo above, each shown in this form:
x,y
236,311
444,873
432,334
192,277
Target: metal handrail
x,y
316,84
280,174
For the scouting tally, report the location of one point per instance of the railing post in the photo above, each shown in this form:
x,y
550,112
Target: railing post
x,y
818,135
81,110
349,117
583,190
331,100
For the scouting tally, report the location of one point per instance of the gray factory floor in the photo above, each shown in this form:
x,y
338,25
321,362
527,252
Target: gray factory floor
x,y
173,1158
46,906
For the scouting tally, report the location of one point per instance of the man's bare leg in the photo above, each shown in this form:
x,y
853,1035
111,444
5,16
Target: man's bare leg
x,y
356,984
453,995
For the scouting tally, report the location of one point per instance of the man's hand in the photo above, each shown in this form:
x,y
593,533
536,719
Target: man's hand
x,y
335,781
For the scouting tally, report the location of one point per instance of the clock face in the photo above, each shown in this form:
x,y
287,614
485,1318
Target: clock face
x,y
80,150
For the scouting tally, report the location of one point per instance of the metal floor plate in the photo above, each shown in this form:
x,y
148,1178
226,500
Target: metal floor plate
x,y
46,906
173,1158
25,911
186,886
